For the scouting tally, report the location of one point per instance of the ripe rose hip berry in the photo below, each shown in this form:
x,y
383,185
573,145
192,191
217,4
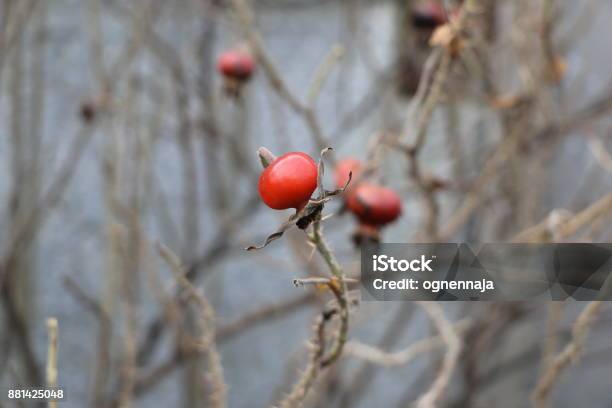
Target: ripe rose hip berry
x,y
374,205
344,168
237,65
289,181
429,15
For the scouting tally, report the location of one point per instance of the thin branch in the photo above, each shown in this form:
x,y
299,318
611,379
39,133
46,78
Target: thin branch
x,y
453,343
568,226
105,329
215,370
52,357
319,359
568,355
375,355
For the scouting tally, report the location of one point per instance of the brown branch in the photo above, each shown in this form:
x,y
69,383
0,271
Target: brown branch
x,y
305,111
319,359
375,355
103,361
568,355
207,344
453,343
568,226
52,356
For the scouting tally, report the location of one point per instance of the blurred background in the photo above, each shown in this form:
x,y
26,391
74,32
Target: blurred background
x,y
117,133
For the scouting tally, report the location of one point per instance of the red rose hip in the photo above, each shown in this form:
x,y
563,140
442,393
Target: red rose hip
x,y
236,64
374,205
289,181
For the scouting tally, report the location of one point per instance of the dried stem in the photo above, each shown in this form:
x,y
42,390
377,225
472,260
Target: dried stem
x,y
305,111
375,355
52,356
568,355
319,359
318,240
207,315
453,343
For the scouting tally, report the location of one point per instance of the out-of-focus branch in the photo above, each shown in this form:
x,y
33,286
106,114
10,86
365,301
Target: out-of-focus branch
x,y
102,366
214,253
223,333
428,96
582,117
364,375
322,73
405,356
52,356
16,23
568,355
34,220
207,315
272,312
305,111
600,153
474,199
568,226
453,343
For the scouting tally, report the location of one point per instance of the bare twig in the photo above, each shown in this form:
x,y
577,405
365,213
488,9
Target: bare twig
x,y
103,361
52,357
600,153
568,355
305,111
453,343
569,225
319,359
402,357
207,344
300,389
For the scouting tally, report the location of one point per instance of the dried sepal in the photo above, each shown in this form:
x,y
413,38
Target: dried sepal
x,y
327,195
310,214
315,206
266,157
321,169
278,233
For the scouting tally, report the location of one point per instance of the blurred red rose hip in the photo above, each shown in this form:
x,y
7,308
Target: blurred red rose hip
x,y
374,205
237,65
